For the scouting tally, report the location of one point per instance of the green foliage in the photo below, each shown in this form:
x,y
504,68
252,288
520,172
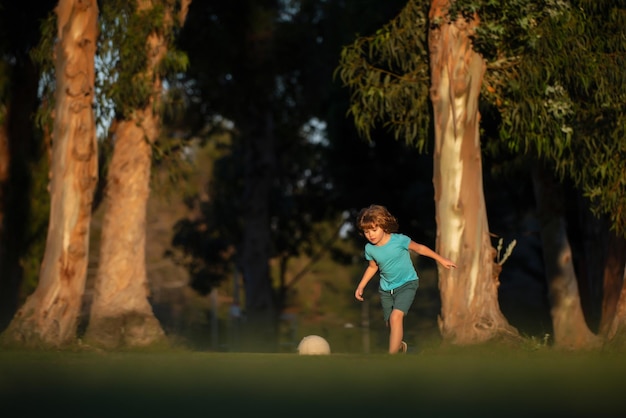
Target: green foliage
x,y
388,74
505,28
556,78
124,55
533,343
203,244
555,85
566,101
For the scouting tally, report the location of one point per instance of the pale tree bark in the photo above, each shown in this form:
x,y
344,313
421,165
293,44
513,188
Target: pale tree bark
x,y
470,311
568,321
121,314
49,316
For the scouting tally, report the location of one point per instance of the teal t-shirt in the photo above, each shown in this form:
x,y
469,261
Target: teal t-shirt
x,y
394,261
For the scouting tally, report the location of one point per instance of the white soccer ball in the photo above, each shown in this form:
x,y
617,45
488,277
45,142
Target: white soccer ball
x,y
313,344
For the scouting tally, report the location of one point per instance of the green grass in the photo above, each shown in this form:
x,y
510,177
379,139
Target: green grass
x,y
439,383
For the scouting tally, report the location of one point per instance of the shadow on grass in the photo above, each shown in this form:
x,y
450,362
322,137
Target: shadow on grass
x,y
442,383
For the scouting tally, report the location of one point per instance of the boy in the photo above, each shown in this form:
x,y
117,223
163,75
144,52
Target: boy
x,y
388,254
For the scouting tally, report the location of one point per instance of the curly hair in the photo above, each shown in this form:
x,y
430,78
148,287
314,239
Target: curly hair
x,y
376,215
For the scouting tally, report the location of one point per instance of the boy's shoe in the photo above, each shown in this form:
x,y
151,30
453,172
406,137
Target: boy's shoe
x,y
404,347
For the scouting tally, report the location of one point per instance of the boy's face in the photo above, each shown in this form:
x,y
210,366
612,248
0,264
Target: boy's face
x,y
374,234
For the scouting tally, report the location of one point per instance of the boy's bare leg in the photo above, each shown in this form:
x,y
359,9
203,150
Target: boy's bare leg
x,y
396,330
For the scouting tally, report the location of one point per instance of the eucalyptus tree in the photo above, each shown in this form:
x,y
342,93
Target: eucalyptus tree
x,y
49,315
506,57
139,36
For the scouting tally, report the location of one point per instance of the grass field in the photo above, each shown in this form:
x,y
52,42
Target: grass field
x,y
441,383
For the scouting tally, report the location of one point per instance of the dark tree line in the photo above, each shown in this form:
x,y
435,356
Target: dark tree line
x,y
260,81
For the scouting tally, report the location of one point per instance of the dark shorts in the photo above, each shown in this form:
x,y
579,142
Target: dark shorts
x,y
400,298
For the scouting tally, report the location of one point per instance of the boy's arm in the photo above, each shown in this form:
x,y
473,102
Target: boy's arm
x,y
425,251
369,272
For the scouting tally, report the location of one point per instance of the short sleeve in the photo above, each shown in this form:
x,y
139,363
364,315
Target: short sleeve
x,y
367,255
404,241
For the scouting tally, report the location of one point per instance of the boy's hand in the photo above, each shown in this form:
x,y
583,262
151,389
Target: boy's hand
x,y
448,264
358,294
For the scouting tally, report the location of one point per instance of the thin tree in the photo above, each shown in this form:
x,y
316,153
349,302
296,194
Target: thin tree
x,y
121,314
49,316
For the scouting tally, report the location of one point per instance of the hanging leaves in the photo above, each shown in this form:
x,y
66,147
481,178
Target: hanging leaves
x,y
567,104
555,82
388,74
123,78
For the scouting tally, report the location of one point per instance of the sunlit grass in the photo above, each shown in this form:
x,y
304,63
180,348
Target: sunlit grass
x,y
431,383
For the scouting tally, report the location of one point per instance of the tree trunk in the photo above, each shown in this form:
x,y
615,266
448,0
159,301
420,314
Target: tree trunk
x,y
470,312
49,316
568,321
121,314
259,131
588,236
260,327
